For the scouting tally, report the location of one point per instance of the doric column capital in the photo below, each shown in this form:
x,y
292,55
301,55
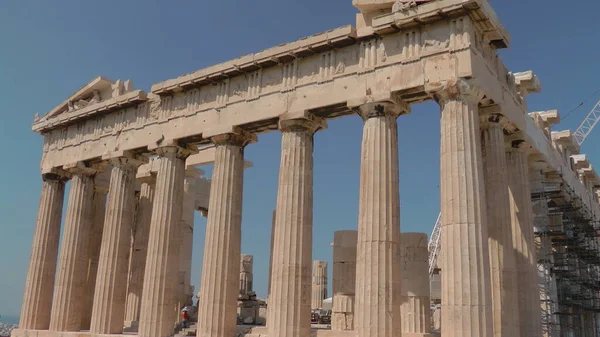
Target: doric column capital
x,y
492,120
124,158
302,121
173,151
516,142
52,176
84,168
455,89
379,106
230,135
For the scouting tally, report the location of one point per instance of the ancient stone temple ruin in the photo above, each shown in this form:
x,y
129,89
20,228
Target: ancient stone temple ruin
x,y
130,156
319,284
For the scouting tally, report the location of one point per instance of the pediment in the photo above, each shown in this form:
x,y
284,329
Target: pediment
x,y
96,91
98,96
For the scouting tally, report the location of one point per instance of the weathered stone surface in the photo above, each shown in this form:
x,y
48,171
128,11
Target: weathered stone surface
x,y
377,305
140,249
466,293
344,280
221,266
111,284
415,309
158,308
37,298
186,290
246,275
523,243
502,259
289,300
319,284
400,50
94,243
67,304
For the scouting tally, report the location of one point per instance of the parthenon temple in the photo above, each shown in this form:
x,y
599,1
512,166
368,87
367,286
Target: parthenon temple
x,y
519,203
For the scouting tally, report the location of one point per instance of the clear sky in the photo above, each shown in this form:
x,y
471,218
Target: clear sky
x,y
49,49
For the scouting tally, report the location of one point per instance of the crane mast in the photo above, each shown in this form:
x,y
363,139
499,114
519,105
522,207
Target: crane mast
x,y
588,124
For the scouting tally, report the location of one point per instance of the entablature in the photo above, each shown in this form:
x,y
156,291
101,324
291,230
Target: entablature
x,y
527,82
566,141
482,15
286,52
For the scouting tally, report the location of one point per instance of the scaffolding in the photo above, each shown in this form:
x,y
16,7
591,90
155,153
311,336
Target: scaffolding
x,y
568,256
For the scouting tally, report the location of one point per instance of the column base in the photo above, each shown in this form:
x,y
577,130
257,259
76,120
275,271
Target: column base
x,y
242,330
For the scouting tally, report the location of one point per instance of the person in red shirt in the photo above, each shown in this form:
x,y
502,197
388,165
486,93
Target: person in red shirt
x,y
185,317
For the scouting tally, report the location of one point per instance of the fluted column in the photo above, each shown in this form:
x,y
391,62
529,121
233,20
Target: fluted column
x,y
377,306
217,309
344,280
466,293
502,259
523,240
187,238
94,244
37,298
69,287
415,301
162,259
319,284
111,283
246,275
140,249
289,301
271,252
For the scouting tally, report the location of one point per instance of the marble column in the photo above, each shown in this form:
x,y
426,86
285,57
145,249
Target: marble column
x,y
186,292
111,283
523,240
271,251
289,301
94,243
69,287
140,249
162,259
377,305
319,284
37,298
502,258
217,309
466,293
344,280
415,300
246,275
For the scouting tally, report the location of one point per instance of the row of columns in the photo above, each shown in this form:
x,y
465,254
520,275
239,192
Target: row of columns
x,y
93,289
466,286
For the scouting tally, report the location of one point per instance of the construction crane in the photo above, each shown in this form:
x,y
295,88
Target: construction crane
x,y
434,244
583,131
588,124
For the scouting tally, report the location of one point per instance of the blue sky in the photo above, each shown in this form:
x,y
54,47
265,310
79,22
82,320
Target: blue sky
x,y
48,49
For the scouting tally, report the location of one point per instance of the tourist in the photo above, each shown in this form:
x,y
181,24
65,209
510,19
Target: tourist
x,y
184,318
